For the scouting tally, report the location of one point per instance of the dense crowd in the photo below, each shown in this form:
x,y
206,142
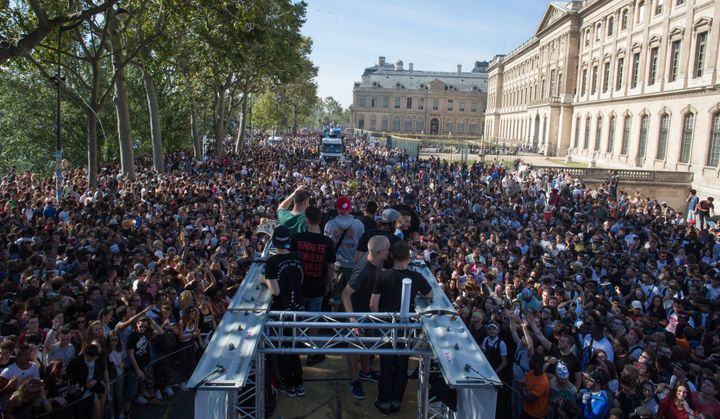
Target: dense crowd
x,y
587,303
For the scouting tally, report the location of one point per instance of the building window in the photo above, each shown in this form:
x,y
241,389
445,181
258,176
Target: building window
x,y
659,7
606,77
577,132
620,73
679,2
635,70
396,124
420,125
552,83
593,86
386,101
373,124
472,129
587,38
686,144
652,74
461,127
640,12
473,105
714,155
462,106
448,126
663,137
611,135
627,124
384,124
624,20
408,125
598,133
586,141
700,50
409,103
449,105
421,103
642,141
361,101
372,102
397,102
598,32
610,26
674,60
436,104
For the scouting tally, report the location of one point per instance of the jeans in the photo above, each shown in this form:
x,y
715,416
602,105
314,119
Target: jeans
x,y
393,379
517,401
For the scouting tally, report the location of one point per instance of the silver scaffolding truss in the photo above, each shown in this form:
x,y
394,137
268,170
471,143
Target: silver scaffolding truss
x,y
229,379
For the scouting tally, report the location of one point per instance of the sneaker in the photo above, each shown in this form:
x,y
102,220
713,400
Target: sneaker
x,y
372,360
370,376
141,400
383,410
145,394
168,391
300,391
158,395
288,391
357,390
394,408
315,359
183,386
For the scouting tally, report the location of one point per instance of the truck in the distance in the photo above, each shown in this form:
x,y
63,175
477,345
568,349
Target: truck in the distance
x,y
332,147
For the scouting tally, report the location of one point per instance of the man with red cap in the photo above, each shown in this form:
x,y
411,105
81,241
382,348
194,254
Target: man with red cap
x,y
345,230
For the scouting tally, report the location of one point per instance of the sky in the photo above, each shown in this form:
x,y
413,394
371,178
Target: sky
x,y
434,35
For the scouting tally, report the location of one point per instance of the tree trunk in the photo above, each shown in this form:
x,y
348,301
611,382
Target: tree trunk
x,y
92,150
295,119
155,132
127,158
197,145
240,142
219,120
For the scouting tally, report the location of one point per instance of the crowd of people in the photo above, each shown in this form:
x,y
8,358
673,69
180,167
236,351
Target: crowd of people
x,y
587,304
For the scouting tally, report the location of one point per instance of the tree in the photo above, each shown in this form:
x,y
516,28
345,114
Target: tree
x,y
21,31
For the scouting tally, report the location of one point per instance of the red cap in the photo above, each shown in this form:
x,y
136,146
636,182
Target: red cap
x,y
343,204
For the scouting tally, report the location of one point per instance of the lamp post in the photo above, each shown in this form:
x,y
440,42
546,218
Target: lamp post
x,y
120,14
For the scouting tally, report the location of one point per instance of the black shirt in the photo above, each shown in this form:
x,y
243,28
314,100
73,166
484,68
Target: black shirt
x,y
389,286
288,270
316,250
140,342
362,280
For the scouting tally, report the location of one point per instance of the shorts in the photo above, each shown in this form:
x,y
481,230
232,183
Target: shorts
x,y
342,276
314,304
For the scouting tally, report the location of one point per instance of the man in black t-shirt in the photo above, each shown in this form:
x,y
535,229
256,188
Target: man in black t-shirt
x,y
284,273
386,296
386,227
356,298
318,254
140,377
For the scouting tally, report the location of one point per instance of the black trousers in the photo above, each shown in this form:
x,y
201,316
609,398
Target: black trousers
x,y
393,378
290,366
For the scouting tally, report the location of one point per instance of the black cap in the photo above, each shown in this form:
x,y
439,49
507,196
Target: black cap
x,y
281,237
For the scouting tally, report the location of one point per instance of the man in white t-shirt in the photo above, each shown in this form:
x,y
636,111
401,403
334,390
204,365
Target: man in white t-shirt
x,y
20,371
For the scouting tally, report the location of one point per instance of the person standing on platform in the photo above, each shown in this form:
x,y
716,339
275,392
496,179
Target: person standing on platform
x,y
386,297
345,230
284,273
318,253
356,298
294,219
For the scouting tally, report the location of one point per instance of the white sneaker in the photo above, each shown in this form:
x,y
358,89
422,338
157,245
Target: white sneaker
x,y
158,395
168,391
141,400
183,386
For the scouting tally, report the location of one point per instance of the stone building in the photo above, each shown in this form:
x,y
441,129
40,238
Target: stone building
x,y
393,99
631,83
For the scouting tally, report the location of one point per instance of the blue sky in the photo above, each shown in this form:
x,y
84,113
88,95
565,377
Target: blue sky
x,y
349,35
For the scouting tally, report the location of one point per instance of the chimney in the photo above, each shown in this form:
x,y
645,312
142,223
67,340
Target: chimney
x,y
381,61
410,66
459,67
399,65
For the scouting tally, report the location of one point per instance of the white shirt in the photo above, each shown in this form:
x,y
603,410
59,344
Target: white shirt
x,y
23,375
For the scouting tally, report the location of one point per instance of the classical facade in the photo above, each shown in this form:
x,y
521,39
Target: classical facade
x,y
632,83
392,99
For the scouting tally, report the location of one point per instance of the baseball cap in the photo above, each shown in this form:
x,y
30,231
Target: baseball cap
x,y
636,304
343,204
492,326
562,371
597,375
389,216
281,237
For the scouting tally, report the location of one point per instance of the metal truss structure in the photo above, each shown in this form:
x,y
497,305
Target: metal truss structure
x,y
230,379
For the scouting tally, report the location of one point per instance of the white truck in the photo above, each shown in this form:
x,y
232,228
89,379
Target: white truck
x,y
332,149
